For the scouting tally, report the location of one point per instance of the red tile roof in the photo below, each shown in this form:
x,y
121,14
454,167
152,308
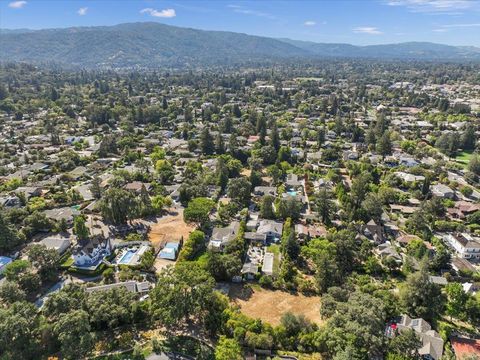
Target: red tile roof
x,y
464,347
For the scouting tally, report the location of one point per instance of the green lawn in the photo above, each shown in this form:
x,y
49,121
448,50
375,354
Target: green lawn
x,y
67,263
464,157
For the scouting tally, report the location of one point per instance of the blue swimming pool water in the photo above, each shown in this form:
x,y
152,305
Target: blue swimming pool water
x,y
292,193
125,259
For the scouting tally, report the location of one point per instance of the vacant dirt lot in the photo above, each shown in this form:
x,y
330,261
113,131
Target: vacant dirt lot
x,y
269,305
169,228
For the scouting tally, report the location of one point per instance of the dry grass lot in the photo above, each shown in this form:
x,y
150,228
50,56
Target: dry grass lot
x,y
269,305
169,228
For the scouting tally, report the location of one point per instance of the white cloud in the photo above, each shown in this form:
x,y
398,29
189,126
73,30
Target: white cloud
x,y
461,25
434,6
448,27
241,10
82,11
17,4
165,13
309,23
367,30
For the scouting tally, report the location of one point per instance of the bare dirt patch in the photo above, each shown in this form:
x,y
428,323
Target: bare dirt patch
x,y
169,228
269,305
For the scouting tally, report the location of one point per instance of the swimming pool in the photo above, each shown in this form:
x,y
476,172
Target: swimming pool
x,y
127,257
292,193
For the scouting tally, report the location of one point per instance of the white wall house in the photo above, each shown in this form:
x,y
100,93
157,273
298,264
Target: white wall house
x,y
91,252
464,245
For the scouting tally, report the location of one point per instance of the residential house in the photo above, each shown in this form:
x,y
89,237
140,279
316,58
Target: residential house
x,y
136,187
464,244
271,229
387,250
90,252
442,191
58,214
409,178
462,209
373,231
432,343
265,190
60,244
221,236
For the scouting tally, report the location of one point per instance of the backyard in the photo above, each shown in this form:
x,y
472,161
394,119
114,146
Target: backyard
x,y
269,305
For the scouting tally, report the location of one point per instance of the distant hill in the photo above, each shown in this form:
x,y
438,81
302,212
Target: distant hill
x,y
152,44
406,50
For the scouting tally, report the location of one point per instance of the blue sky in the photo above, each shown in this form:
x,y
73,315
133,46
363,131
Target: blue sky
x,y
361,22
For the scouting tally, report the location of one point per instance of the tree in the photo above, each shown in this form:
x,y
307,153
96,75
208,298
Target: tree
x,y
384,145
274,137
360,188
181,292
456,299
21,271
80,228
44,260
448,144
289,207
221,172
71,297
96,188
118,206
191,247
219,144
223,266
266,207
323,253
406,344
9,236
145,203
10,293
228,349
73,332
469,139
419,296
198,211
112,313
325,206
239,190
373,207
474,165
207,145
19,331
358,323
165,171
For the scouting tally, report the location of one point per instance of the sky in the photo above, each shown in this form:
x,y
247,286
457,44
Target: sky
x,y
358,22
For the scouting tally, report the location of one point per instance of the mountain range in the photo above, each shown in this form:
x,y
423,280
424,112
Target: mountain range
x,y
151,45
